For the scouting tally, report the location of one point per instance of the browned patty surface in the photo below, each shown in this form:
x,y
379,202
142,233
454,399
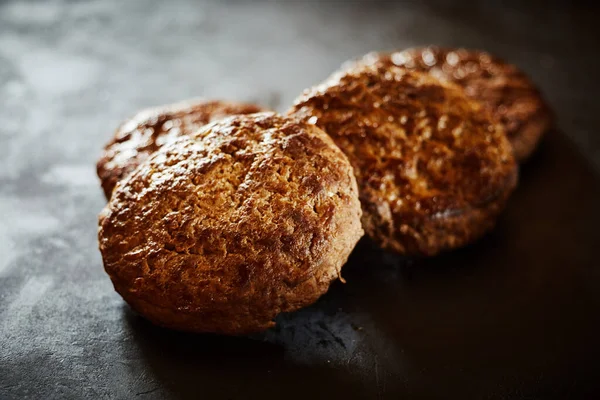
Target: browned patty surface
x,y
433,171
139,137
221,231
507,93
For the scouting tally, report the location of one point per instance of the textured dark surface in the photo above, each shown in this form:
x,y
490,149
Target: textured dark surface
x,y
514,316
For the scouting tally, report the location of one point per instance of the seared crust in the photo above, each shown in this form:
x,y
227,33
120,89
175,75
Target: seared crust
x,y
139,137
221,231
433,171
506,92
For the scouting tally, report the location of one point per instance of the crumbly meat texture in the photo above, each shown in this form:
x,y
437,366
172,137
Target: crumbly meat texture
x,y
136,139
433,171
252,216
507,93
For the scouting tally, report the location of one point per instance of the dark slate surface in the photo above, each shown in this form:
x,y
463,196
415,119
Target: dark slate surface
x,y
514,316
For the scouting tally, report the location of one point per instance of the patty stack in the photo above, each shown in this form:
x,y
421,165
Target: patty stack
x,y
222,215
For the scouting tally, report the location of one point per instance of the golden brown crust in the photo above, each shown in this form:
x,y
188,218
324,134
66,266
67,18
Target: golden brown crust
x,y
506,92
433,171
252,216
139,137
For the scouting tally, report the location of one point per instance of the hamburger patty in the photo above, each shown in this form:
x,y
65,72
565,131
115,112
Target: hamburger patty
x,y
222,230
433,170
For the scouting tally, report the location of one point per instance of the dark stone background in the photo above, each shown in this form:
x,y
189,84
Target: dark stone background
x,y
514,316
